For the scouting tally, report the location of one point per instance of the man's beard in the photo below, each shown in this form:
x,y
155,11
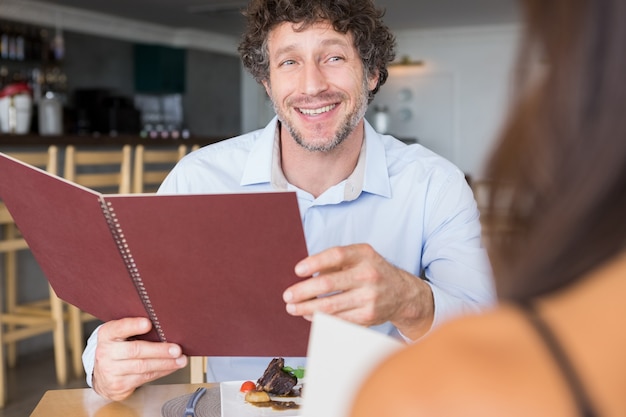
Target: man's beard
x,y
348,125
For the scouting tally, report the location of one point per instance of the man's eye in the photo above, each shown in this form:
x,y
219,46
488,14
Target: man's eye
x,y
287,63
336,58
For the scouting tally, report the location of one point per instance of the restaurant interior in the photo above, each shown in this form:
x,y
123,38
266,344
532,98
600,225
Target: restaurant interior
x,y
122,93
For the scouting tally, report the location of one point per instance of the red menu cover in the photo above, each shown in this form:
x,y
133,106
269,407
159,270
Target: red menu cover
x,y
208,270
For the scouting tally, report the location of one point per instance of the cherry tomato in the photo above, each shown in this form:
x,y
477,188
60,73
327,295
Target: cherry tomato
x,y
247,386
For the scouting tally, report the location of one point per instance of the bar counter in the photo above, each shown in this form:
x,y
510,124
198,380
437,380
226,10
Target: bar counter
x,y
28,140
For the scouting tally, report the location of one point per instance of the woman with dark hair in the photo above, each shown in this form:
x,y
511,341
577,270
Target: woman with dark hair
x,y
555,345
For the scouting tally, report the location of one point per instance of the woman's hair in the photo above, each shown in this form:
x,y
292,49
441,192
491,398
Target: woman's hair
x,y
372,39
559,171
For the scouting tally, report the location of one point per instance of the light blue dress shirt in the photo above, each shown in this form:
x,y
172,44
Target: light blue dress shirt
x,y
412,206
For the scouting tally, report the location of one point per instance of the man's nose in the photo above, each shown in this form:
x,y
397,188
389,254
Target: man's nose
x,y
313,80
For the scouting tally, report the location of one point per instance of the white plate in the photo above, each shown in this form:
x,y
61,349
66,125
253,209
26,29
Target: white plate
x,y
235,405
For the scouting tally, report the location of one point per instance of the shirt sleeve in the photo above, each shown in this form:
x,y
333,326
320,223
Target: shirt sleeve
x,y
89,356
454,261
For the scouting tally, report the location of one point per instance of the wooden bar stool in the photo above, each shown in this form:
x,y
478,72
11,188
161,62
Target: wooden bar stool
x,y
152,166
22,320
107,171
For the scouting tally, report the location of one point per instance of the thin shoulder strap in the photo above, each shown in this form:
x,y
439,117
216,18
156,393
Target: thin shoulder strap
x,y
582,400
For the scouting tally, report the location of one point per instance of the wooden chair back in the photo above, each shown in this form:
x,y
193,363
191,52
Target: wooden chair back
x,y
152,166
197,369
23,320
105,170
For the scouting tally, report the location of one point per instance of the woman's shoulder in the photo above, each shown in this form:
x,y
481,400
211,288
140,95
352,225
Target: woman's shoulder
x,y
471,366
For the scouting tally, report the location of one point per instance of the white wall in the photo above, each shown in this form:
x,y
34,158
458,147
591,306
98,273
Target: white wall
x,y
459,97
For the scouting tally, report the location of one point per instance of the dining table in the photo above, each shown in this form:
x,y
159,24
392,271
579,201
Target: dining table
x,y
148,400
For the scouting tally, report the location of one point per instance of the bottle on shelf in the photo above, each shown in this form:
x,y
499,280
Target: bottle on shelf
x,y
20,43
12,47
15,108
5,33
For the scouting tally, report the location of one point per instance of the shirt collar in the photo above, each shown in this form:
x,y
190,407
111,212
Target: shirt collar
x,y
370,174
258,169
376,179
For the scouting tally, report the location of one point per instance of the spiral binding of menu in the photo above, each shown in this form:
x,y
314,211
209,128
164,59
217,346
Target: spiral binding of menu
x,y
131,266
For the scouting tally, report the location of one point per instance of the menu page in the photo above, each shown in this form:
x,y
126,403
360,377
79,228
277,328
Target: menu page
x,y
340,356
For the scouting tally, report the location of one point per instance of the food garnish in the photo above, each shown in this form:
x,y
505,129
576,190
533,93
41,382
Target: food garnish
x,y
247,386
298,372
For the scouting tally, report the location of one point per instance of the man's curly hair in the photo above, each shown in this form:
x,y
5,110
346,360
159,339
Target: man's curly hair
x,y
373,40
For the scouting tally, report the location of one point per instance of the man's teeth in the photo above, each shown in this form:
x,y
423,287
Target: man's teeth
x,y
312,112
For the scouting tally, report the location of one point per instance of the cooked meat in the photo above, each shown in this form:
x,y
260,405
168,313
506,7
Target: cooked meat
x,y
276,381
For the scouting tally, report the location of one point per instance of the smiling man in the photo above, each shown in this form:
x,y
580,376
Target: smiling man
x,y
320,94
392,230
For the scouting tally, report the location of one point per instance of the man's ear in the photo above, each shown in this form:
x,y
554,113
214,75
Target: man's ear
x,y
373,81
266,85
